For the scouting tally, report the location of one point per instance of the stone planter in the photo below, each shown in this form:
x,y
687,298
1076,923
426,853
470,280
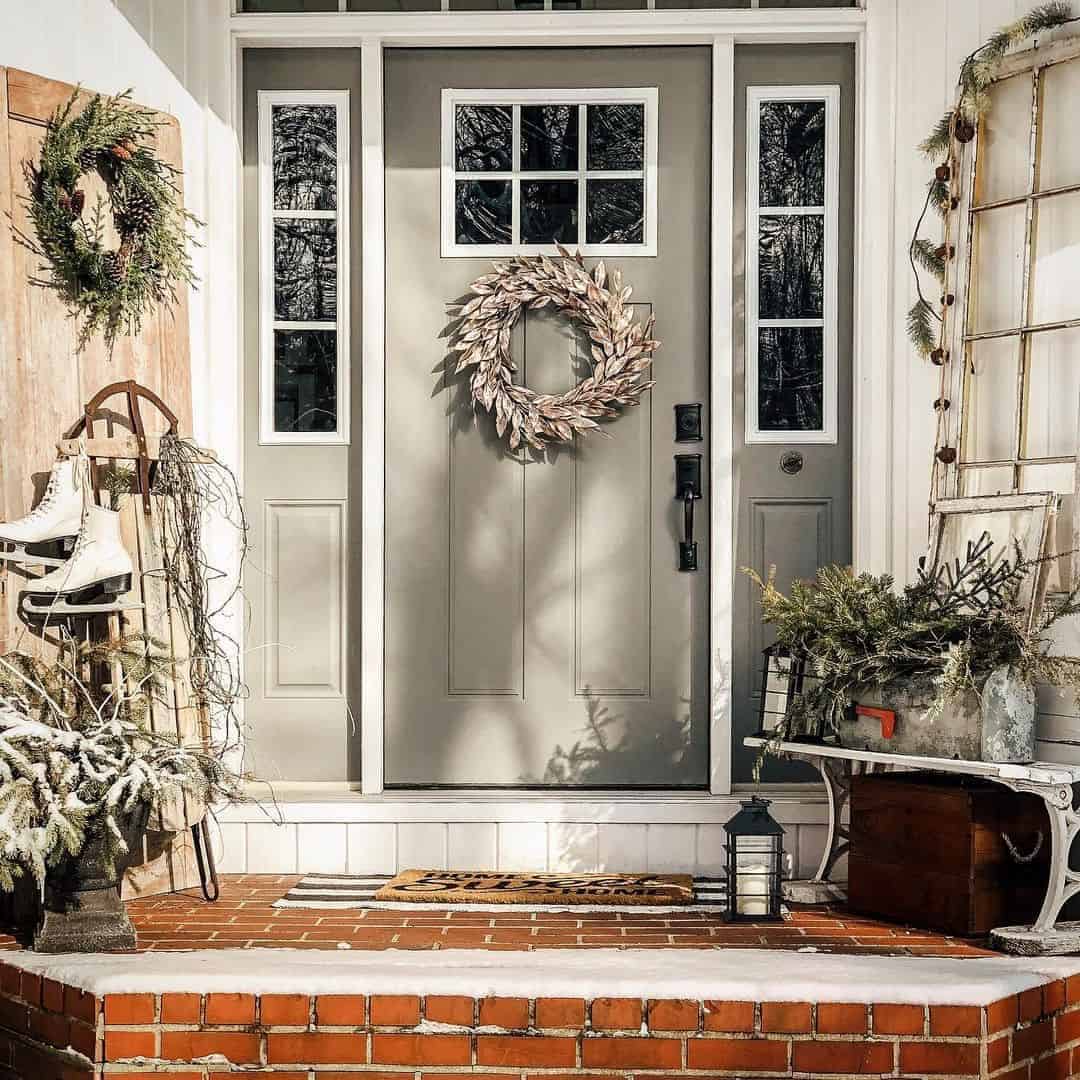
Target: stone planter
x,y
998,725
82,910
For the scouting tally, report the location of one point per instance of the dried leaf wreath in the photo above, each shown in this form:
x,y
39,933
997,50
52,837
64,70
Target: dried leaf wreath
x,y
621,347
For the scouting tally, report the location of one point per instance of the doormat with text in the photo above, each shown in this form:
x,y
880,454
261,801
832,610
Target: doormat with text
x,y
501,887
327,891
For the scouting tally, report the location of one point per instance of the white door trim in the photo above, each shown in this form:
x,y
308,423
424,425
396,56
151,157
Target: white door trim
x,y
722,30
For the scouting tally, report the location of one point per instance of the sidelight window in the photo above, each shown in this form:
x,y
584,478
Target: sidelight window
x,y
792,181
304,297
527,169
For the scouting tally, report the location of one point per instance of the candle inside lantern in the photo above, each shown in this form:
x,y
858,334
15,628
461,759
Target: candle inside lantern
x,y
752,888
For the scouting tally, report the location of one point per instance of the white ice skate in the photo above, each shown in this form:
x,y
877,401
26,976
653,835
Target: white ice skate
x,y
93,581
46,536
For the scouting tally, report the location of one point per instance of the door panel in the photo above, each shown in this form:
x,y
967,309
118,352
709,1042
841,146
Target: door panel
x,y
795,522
538,632
297,494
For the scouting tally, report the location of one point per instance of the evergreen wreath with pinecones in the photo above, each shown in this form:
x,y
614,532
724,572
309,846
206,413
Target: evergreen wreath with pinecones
x,y
109,290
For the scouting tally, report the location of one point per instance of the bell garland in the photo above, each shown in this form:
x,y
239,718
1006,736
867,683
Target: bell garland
x,y
109,290
958,126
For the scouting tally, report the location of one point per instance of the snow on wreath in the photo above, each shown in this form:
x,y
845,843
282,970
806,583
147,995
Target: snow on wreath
x,y
621,347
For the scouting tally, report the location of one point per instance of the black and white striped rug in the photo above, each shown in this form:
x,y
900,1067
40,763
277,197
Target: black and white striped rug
x,y
349,892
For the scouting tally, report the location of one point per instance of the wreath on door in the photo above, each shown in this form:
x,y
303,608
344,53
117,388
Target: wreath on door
x,y
109,289
621,351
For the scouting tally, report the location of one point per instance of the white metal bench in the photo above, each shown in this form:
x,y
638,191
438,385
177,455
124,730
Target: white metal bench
x,y
1053,783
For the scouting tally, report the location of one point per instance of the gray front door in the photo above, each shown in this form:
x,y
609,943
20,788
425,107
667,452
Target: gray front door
x,y
538,630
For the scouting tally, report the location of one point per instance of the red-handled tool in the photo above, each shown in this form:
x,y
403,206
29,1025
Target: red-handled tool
x,y
886,716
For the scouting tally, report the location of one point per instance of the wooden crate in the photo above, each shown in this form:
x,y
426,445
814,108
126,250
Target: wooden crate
x,y
931,851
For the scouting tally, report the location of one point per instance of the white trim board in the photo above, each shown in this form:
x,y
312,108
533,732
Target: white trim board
x,y
304,805
722,29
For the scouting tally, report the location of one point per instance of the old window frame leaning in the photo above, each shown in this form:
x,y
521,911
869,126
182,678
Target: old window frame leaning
x,y
648,96
268,323
961,334
756,96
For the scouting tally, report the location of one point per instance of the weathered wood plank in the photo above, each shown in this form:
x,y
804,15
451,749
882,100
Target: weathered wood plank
x,y
8,342
45,386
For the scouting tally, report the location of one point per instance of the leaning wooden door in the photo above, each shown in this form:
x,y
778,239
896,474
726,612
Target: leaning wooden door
x,y
538,630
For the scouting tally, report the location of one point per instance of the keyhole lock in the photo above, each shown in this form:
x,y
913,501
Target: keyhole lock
x,y
791,462
688,422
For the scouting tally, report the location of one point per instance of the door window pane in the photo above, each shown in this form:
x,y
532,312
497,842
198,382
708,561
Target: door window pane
x,y
549,210
615,212
792,153
1006,140
791,371
304,157
483,214
999,268
1059,160
305,270
1055,272
483,136
305,381
1053,392
791,266
616,137
996,480
990,389
549,137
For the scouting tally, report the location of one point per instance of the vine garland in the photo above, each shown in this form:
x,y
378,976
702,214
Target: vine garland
x,y
621,353
109,290
957,127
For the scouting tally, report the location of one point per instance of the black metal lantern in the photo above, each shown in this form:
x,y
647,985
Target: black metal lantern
x,y
781,679
755,860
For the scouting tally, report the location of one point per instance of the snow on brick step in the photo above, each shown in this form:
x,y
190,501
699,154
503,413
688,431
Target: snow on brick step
x,y
756,975
373,1015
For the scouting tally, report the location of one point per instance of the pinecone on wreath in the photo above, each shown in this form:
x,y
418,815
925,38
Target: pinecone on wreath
x,y
88,158
114,267
137,214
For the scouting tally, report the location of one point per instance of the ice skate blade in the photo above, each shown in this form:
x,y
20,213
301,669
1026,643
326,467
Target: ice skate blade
x,y
61,609
100,598
52,553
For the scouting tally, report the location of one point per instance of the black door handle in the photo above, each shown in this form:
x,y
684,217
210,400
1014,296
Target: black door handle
x,y
688,489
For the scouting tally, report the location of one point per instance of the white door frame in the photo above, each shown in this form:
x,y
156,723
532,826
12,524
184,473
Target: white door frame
x,y
871,29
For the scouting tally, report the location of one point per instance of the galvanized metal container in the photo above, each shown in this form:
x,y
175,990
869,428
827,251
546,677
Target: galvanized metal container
x,y
996,725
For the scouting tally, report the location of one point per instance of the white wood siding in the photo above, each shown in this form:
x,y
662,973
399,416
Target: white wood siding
x,y
932,38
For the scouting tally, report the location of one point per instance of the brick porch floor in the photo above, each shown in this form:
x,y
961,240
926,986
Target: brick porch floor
x,y
888,1002
244,917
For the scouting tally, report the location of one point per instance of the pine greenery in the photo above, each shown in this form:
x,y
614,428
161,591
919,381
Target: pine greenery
x,y
78,763
109,291
955,625
921,326
929,257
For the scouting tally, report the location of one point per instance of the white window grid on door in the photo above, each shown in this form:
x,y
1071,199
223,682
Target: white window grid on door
x,y
756,96
268,322
648,97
